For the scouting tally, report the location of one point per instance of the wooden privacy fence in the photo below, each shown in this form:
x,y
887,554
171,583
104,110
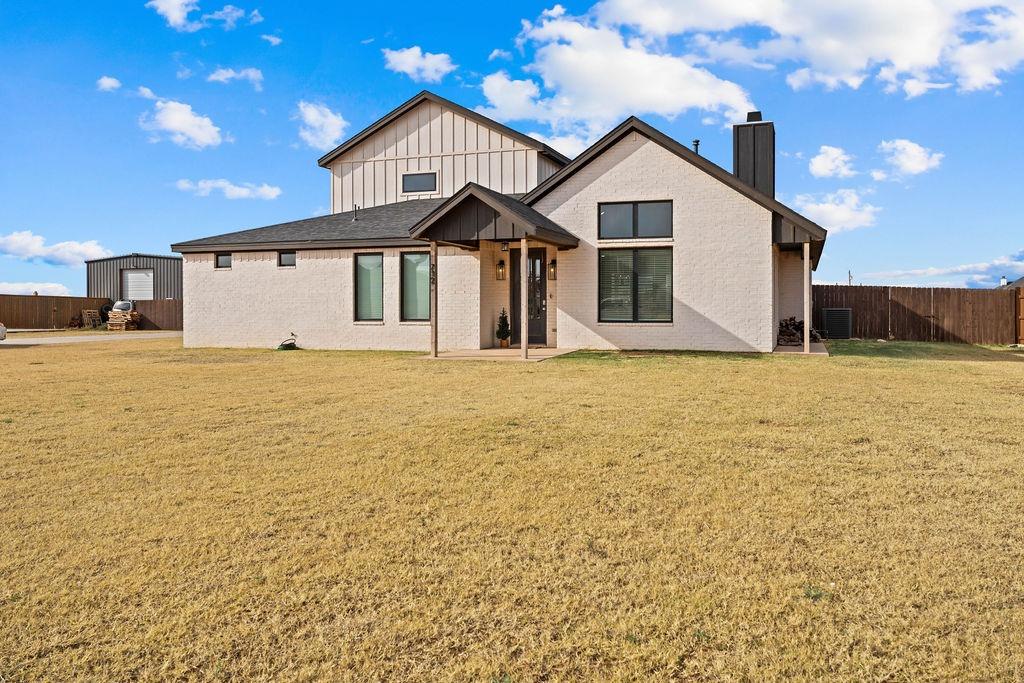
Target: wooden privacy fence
x,y
44,312
971,316
159,314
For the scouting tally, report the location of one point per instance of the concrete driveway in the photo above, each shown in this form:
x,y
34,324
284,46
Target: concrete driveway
x,y
15,339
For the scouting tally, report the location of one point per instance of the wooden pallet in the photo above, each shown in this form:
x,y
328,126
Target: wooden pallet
x,y
123,321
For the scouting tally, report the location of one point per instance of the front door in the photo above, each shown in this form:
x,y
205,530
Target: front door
x,y
536,293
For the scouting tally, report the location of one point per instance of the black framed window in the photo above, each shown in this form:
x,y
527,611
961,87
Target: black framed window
x,y
415,285
285,258
369,277
634,285
419,182
634,220
222,261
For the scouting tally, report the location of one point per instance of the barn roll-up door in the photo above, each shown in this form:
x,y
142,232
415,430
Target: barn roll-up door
x,y
137,284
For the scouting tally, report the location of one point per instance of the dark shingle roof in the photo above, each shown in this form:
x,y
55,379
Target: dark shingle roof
x,y
377,226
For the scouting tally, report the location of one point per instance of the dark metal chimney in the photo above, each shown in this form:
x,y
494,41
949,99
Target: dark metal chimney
x,y
753,153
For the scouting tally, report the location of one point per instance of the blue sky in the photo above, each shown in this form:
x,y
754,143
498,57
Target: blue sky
x,y
131,125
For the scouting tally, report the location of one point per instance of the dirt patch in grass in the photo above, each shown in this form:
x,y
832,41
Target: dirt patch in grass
x,y
369,516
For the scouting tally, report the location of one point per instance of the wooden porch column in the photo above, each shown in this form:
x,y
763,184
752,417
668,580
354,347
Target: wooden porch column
x,y
433,299
807,297
524,318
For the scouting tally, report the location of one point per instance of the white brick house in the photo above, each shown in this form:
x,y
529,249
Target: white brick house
x,y
638,243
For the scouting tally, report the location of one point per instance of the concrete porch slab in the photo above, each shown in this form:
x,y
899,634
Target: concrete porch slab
x,y
817,349
511,355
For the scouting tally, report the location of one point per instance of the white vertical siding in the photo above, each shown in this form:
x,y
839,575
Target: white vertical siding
x,y
433,138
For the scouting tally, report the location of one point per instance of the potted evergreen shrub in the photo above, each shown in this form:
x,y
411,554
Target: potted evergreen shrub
x,y
504,330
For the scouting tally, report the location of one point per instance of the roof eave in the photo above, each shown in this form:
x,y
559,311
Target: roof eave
x,y
293,245
634,124
326,159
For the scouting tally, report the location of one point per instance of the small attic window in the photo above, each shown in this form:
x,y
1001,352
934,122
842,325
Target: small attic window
x,y
419,182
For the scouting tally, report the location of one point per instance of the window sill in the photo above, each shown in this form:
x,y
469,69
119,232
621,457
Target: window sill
x,y
415,323
286,267
627,324
371,323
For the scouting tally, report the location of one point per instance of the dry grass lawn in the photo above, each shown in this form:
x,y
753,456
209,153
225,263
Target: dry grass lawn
x,y
195,514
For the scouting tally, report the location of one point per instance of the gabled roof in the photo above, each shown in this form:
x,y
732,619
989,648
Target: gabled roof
x,y
534,223
633,124
1015,284
427,96
386,225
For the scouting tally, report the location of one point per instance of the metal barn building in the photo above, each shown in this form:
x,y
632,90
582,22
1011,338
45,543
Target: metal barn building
x,y
139,277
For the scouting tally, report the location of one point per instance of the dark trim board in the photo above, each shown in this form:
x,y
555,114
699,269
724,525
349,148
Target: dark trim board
x,y
427,96
298,246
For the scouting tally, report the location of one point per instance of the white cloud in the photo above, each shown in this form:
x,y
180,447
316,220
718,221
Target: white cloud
x,y
254,76
418,65
273,40
843,42
593,77
107,84
203,188
831,162
985,273
499,54
910,158
28,246
40,288
837,211
227,15
879,175
146,93
914,87
321,128
177,121
176,12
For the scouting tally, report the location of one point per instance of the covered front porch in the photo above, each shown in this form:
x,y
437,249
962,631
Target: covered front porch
x,y
517,251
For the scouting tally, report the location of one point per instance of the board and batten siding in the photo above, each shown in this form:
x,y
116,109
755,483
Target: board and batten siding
x,y
433,138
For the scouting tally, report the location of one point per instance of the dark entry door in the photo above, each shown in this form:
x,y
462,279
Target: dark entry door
x,y
537,296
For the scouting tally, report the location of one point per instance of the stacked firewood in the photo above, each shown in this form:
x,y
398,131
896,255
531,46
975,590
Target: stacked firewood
x,y
791,333
122,321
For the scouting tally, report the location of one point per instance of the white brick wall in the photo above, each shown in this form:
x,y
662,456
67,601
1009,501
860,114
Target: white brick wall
x,y
791,285
722,255
257,304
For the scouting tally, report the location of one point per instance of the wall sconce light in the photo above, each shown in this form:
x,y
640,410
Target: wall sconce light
x,y
504,246
499,272
553,269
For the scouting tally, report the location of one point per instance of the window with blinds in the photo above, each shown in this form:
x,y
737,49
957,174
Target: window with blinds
x,y
415,287
635,285
369,286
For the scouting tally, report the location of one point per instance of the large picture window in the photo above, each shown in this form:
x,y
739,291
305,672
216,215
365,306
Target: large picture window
x,y
634,220
634,285
415,287
369,286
